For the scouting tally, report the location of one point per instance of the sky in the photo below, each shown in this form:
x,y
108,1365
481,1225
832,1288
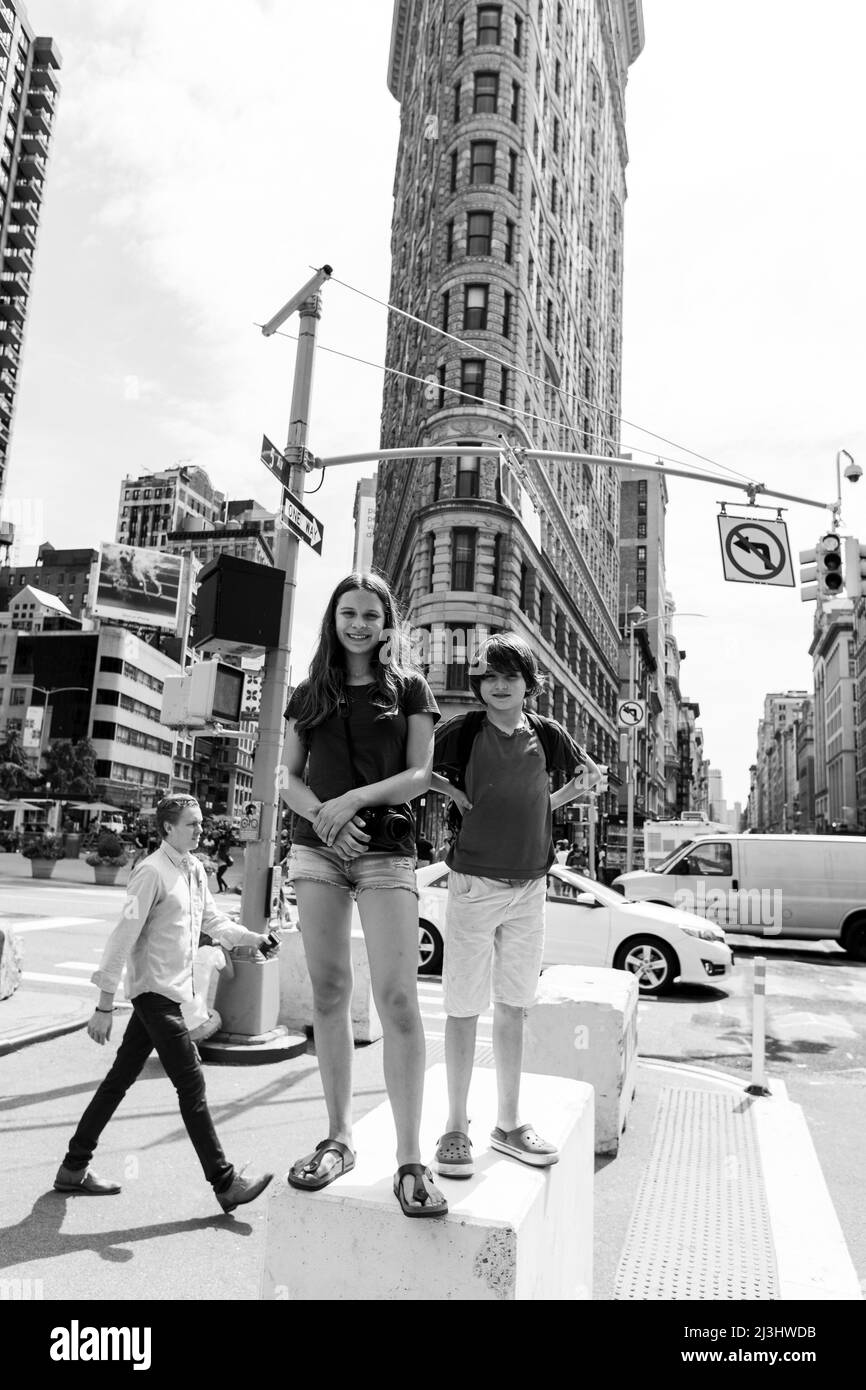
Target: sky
x,y
207,155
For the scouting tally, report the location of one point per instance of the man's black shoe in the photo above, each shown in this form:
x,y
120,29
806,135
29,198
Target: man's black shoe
x,y
242,1190
83,1183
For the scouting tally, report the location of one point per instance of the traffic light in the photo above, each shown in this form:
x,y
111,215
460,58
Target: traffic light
x,y
830,576
604,784
855,567
808,575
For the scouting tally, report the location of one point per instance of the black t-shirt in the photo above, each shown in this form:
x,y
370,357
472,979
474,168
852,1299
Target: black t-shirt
x,y
378,749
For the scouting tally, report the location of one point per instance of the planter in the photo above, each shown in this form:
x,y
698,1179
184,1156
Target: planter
x,y
42,868
106,874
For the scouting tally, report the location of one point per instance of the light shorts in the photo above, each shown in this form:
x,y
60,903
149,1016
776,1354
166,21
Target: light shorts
x,y
492,928
369,870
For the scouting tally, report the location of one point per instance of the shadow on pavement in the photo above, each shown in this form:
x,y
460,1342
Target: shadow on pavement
x,y
40,1232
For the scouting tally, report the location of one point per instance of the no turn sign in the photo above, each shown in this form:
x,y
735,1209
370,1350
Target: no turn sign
x,y
631,714
755,552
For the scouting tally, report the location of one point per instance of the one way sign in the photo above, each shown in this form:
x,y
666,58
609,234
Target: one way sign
x,y
302,522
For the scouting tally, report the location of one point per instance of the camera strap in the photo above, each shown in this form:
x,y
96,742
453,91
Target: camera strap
x,y
346,721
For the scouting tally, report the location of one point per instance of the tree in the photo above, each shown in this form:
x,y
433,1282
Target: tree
x,y
70,768
15,777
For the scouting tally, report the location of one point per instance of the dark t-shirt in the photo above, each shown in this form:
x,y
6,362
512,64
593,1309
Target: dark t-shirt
x,y
378,748
507,834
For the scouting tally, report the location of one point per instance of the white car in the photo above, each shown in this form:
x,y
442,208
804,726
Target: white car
x,y
589,924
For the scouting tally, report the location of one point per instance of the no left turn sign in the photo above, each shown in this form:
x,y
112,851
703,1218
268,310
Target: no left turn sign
x,y
755,552
631,714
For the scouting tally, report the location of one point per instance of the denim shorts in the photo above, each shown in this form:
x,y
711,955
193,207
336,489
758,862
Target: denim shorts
x,y
369,870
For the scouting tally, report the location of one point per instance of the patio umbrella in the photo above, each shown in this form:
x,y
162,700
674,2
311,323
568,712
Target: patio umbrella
x,y
93,806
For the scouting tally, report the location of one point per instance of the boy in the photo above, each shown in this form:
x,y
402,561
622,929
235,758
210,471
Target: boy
x,y
168,903
499,860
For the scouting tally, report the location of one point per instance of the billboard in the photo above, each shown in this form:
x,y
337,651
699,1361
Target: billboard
x,y
137,585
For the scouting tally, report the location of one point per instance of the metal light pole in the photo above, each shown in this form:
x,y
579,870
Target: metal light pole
x,y
258,855
47,692
636,616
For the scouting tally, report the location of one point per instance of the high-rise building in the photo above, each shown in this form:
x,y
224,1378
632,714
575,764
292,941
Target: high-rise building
x,y
176,499
507,233
28,96
365,524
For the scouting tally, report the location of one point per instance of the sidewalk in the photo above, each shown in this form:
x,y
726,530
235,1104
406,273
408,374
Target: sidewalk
x,y
713,1195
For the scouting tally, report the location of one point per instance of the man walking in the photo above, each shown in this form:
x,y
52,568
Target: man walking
x,y
168,904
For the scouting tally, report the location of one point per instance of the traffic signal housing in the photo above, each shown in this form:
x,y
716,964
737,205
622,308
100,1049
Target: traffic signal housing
x,y
210,693
809,575
831,578
855,568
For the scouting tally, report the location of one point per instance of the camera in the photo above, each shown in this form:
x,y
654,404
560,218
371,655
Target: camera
x,y
390,825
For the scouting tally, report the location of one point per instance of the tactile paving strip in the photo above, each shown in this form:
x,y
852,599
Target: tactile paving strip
x,y
700,1227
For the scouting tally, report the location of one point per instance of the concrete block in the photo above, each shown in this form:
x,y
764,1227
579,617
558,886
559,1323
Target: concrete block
x,y
296,989
584,1025
512,1232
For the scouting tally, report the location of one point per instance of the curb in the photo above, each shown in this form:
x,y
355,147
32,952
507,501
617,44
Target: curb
x,y
54,1030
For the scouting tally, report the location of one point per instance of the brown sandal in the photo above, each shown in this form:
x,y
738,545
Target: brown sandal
x,y
428,1207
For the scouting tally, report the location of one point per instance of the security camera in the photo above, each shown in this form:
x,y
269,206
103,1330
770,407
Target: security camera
x,y
853,472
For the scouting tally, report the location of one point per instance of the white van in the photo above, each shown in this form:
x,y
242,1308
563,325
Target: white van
x,y
808,886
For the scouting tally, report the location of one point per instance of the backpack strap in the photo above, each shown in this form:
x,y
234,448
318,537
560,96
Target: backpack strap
x,y
545,736
465,739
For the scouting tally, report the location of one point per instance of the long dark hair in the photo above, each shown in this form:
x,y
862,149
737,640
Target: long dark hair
x,y
324,691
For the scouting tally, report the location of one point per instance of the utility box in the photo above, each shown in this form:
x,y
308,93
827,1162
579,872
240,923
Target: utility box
x,y
237,606
211,692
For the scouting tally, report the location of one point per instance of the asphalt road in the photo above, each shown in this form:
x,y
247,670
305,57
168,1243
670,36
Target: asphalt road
x,y
815,1025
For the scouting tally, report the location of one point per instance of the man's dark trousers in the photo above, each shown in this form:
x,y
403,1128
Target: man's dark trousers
x,y
156,1022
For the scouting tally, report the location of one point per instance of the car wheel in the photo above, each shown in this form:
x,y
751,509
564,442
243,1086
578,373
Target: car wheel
x,y
855,941
430,949
651,960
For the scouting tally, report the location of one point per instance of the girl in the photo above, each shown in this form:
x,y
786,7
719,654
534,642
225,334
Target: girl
x,y
362,726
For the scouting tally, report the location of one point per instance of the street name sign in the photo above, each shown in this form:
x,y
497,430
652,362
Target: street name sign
x,y
276,462
302,522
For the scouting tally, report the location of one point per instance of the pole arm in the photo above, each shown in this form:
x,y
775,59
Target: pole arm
x,y
451,451
307,291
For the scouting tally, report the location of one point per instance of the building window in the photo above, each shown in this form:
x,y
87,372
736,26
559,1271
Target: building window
x,y
440,374
479,233
524,587
503,386
437,479
460,24
456,102
641,488
641,507
515,102
506,315
472,376
497,562
512,171
489,25
453,176
641,554
483,161
509,242
17,695
463,560
641,528
518,36
457,674
640,577
446,304
468,477
475,306
431,560
486,95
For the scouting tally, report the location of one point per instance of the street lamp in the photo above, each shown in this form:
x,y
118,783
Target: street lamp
x,y
853,472
637,618
47,692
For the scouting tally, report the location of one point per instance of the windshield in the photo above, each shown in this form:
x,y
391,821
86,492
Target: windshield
x,y
664,864
588,885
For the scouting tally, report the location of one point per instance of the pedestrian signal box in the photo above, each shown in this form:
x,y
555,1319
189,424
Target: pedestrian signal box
x,y
855,568
211,693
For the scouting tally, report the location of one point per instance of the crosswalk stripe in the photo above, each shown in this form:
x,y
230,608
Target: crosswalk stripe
x,y
74,965
52,923
66,980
